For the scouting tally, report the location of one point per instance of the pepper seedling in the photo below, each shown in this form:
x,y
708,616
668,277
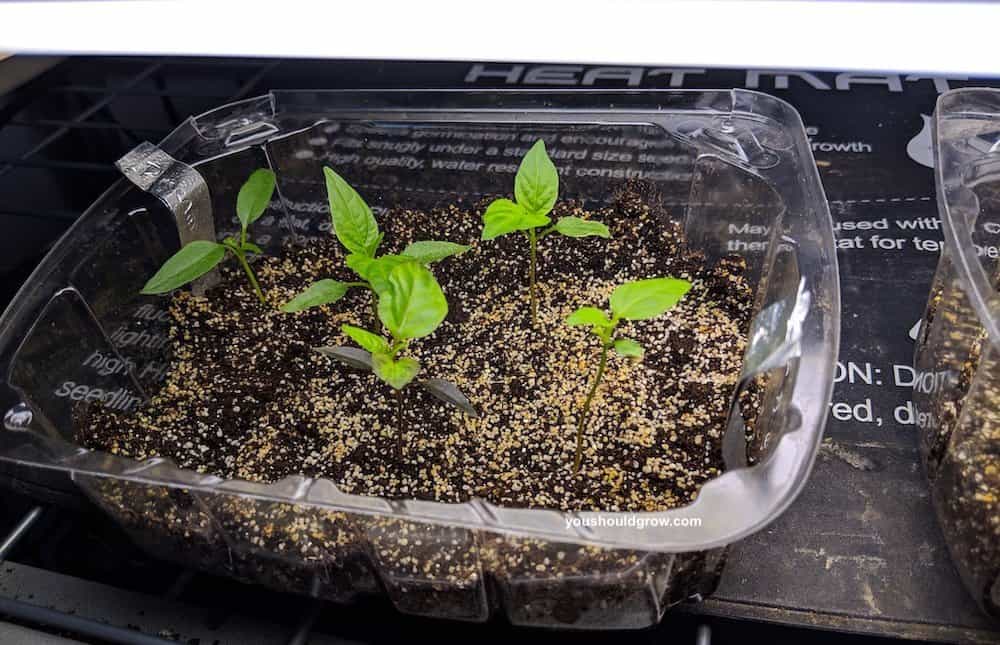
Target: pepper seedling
x,y
638,300
357,230
536,187
410,306
197,258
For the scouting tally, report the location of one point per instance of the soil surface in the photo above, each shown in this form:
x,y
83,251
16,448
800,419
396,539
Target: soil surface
x,y
960,438
247,397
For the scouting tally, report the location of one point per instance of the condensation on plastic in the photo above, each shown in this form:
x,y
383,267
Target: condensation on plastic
x,y
725,162
957,361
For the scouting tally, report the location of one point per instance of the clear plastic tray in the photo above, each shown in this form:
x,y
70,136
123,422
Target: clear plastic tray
x,y
957,394
733,166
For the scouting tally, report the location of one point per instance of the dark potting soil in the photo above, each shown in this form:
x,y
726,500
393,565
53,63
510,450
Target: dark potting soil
x,y
247,397
960,446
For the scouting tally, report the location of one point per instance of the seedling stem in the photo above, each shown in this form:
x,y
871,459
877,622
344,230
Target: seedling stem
x,y
533,240
638,300
536,187
586,408
242,257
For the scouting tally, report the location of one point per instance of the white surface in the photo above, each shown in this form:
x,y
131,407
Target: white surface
x,y
921,36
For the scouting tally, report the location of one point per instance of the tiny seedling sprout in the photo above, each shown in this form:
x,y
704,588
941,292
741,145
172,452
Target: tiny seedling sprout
x,y
410,306
358,232
197,258
536,187
638,300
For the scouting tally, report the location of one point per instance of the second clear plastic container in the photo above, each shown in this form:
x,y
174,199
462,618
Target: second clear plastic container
x,y
734,168
957,393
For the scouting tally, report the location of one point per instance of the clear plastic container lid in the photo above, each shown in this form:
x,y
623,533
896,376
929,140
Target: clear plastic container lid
x,y
957,392
734,163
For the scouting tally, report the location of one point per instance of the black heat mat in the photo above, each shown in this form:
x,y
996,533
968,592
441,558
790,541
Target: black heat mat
x,y
859,551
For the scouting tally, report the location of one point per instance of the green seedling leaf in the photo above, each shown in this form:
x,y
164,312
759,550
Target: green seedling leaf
x,y
253,248
322,292
432,251
637,300
412,305
588,316
536,184
353,222
194,260
644,299
360,264
350,356
504,216
372,342
629,347
375,271
449,393
254,196
397,373
579,227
